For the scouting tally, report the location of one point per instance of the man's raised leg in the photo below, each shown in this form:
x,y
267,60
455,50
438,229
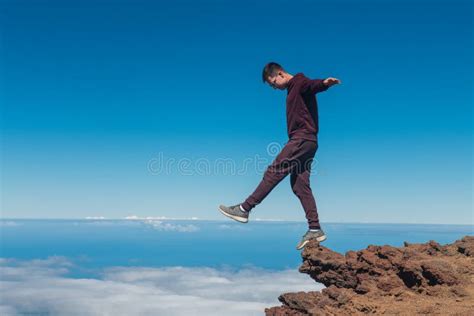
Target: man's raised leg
x,y
276,172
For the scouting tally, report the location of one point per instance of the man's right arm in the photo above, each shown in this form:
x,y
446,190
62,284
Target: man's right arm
x,y
331,81
313,86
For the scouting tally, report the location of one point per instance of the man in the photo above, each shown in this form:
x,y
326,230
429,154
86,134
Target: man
x,y
297,155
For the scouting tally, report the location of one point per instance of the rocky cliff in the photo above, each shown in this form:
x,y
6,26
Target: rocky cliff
x,y
417,279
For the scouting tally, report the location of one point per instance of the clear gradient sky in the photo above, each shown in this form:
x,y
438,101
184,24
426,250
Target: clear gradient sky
x,y
92,91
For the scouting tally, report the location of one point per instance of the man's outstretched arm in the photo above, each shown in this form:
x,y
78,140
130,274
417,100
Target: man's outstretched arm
x,y
318,85
331,81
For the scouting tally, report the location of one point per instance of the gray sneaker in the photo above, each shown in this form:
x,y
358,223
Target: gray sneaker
x,y
235,212
318,235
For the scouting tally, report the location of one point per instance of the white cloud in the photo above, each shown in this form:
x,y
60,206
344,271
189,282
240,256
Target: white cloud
x,y
232,227
275,220
132,217
12,270
107,222
4,223
135,217
40,287
166,226
160,225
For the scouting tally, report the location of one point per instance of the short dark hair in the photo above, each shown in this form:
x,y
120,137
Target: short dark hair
x,y
270,69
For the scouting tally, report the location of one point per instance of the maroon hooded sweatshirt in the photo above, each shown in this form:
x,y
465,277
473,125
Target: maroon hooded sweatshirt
x,y
302,107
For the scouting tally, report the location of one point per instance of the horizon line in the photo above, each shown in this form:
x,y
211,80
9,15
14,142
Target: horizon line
x,y
130,218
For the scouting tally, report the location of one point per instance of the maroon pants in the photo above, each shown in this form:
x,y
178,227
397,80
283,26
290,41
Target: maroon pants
x,y
295,159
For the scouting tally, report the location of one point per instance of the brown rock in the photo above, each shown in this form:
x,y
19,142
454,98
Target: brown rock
x,y
466,246
415,279
282,311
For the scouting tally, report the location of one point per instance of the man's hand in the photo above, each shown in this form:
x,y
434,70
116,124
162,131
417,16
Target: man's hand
x,y
331,81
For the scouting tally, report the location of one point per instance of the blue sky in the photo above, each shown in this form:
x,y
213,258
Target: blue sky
x,y
92,91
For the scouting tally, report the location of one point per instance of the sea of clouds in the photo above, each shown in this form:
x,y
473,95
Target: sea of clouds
x,y
43,287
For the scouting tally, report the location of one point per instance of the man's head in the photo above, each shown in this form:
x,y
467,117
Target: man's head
x,y
275,76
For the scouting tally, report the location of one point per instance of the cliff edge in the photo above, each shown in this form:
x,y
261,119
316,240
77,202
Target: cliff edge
x,y
417,279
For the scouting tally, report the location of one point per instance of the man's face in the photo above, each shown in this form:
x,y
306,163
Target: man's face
x,y
278,81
